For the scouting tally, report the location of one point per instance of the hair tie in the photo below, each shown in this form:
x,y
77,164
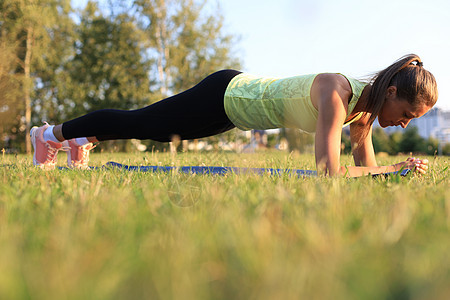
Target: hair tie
x,y
419,64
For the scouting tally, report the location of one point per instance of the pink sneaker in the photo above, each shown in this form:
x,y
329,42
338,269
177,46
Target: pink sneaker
x,y
78,156
44,152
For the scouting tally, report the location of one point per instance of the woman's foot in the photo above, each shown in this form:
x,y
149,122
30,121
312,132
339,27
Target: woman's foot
x,y
78,156
45,152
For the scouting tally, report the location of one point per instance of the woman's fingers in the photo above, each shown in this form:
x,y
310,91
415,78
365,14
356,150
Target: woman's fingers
x,y
421,166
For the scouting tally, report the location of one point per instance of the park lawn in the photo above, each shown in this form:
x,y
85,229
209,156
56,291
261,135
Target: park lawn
x,y
112,234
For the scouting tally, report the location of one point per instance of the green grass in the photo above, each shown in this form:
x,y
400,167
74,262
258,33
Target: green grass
x,y
111,234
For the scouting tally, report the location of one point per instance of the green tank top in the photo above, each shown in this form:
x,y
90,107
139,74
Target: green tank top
x,y
264,103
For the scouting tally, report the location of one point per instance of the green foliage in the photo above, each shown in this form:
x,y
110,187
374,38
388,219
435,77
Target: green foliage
x,y
201,47
394,142
109,69
110,234
431,146
407,142
28,29
446,149
125,58
187,41
51,96
10,92
381,141
412,142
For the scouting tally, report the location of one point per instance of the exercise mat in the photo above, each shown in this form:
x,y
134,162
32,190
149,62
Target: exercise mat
x,y
227,170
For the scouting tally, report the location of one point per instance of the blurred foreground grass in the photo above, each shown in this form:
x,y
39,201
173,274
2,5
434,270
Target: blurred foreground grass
x,y
111,234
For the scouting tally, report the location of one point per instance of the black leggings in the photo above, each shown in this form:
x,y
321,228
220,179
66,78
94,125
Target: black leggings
x,y
195,113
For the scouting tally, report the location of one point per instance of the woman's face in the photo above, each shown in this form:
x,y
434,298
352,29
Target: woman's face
x,y
397,111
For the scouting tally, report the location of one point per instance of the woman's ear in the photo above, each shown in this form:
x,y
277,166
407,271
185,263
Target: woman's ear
x,y
391,92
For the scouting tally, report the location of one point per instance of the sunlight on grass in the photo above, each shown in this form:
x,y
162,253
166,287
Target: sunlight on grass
x,y
113,234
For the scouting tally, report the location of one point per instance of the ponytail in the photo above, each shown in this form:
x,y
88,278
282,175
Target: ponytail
x,y
414,83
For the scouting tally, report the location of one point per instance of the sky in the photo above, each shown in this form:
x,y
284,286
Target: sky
x,y
355,37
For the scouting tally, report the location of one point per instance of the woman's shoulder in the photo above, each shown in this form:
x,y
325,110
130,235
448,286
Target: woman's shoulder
x,y
331,82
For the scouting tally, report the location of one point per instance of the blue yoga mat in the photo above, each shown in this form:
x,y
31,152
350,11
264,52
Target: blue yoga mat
x,y
213,170
225,170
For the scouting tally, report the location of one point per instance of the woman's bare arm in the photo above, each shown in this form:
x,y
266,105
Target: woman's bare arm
x,y
417,165
363,154
330,94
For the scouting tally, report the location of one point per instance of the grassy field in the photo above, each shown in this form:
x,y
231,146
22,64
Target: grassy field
x,y
111,234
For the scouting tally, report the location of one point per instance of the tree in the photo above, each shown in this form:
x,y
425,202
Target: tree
x,y
431,146
412,142
9,92
24,28
380,141
201,45
52,82
110,68
394,142
446,149
186,42
53,68
11,71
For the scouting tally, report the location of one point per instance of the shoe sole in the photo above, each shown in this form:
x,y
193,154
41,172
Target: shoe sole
x,y
69,154
33,142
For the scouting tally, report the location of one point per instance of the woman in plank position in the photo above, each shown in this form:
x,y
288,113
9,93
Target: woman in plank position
x,y
320,103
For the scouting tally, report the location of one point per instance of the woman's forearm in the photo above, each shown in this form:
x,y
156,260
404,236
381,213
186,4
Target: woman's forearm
x,y
351,171
419,166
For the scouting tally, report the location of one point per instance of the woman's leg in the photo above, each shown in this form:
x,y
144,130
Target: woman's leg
x,y
195,113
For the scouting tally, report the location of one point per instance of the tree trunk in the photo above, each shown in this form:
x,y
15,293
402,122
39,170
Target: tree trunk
x,y
27,88
163,50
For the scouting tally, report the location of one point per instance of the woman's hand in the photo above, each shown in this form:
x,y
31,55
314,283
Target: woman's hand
x,y
419,166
